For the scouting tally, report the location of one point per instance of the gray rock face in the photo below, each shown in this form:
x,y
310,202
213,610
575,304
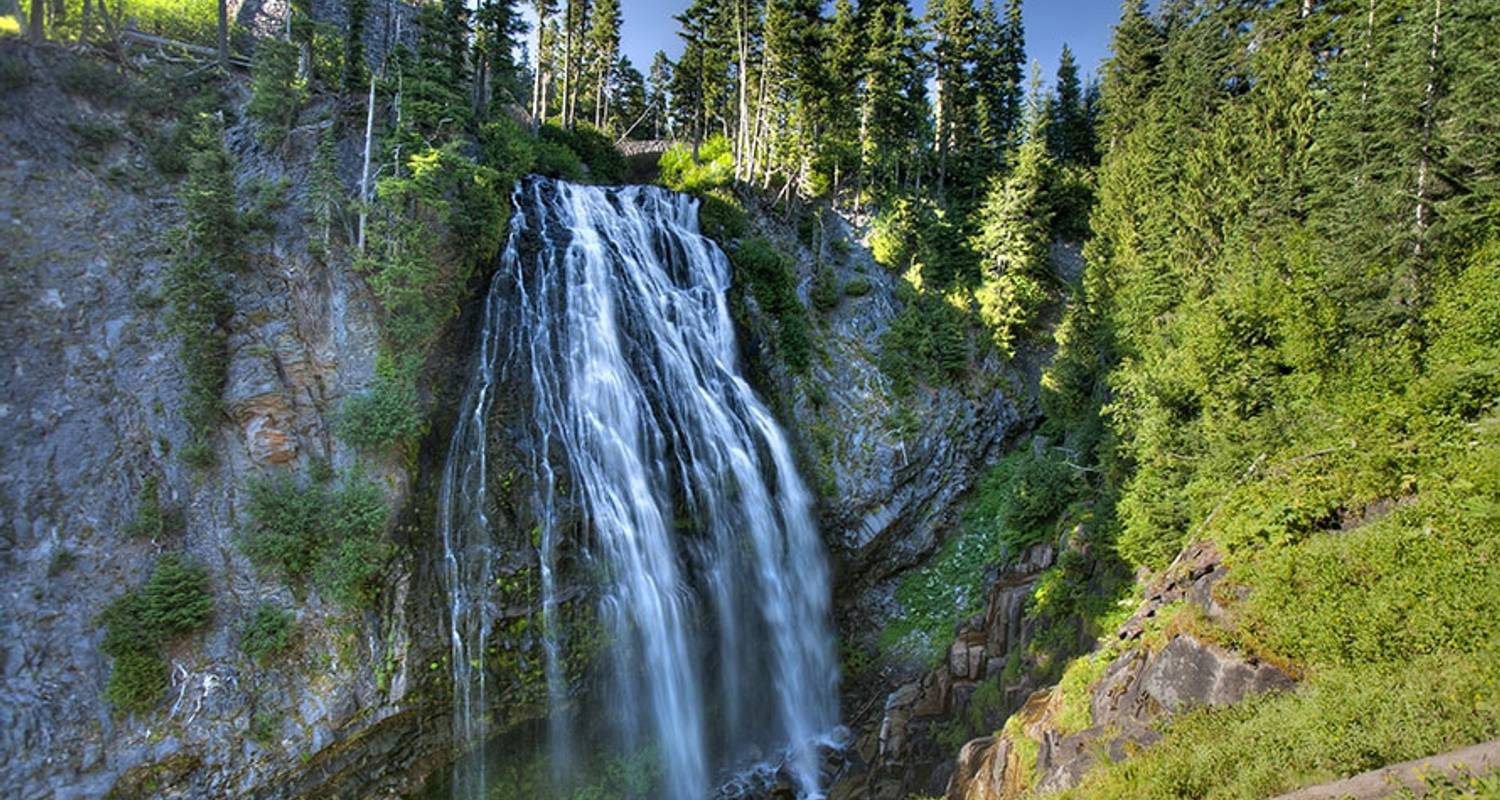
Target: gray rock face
x,y
90,403
1143,687
890,471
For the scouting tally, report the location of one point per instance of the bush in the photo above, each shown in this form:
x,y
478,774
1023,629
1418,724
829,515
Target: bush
x,y
15,73
721,218
769,277
348,572
1339,723
556,160
385,415
713,169
508,147
174,601
288,529
594,149
276,92
153,520
268,633
857,287
1039,488
926,343
137,681
825,290
335,536
206,250
90,79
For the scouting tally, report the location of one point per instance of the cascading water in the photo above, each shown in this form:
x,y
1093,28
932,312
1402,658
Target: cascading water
x,y
650,450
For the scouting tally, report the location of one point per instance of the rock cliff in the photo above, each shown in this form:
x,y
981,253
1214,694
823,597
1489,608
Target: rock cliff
x,y
90,415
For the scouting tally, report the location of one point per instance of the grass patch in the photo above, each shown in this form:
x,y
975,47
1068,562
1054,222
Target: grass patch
x,y
1343,721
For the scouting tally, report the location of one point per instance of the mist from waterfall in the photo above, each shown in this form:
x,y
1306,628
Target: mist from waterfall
x,y
659,471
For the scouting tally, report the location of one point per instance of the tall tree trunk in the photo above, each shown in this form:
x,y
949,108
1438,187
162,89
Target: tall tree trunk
x,y
567,75
538,104
364,175
36,20
86,20
224,35
1429,99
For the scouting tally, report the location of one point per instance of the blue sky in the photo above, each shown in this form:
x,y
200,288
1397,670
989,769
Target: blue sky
x,y
1084,25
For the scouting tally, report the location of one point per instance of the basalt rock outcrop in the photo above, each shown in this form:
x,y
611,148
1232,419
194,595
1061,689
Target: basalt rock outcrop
x,y
1150,680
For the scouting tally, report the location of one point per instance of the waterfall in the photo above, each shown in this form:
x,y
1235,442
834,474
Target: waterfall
x,y
658,470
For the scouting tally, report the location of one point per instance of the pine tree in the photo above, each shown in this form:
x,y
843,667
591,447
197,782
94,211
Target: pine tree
x,y
893,107
1069,134
628,100
604,48
498,30
354,74
658,88
1014,235
542,74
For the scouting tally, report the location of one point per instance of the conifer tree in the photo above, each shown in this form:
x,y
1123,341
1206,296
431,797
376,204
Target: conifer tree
x,y
658,88
498,29
604,49
1014,234
1069,134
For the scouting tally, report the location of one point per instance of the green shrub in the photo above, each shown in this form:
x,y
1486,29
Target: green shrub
x,y
288,527
206,251
90,79
508,147
825,290
385,415
153,519
15,73
62,561
276,91
1040,487
721,218
137,681
264,727
926,343
771,281
268,633
349,571
714,168
595,150
894,234
335,536
1345,721
95,135
857,287
174,601
557,160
